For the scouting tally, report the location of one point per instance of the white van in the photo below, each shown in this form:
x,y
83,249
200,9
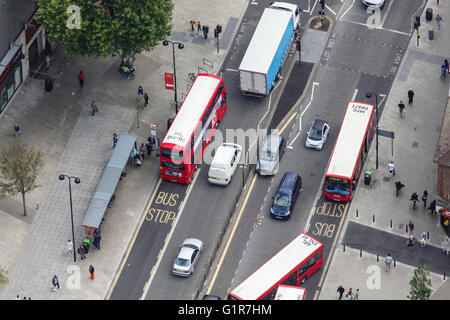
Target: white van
x,y
224,163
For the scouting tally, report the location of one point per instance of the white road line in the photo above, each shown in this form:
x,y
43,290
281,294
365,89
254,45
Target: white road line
x,y
233,70
331,10
354,95
268,109
311,11
155,268
377,27
347,10
386,13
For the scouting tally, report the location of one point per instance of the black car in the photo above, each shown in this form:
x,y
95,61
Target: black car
x,y
287,193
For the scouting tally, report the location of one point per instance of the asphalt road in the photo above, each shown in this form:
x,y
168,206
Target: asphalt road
x,y
356,59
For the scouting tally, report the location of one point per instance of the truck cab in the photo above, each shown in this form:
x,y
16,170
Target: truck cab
x,y
290,7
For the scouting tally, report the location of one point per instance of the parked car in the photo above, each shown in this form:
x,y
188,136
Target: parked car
x,y
224,164
317,135
188,257
374,3
286,196
270,155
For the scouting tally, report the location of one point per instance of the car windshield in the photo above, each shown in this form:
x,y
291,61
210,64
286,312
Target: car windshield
x,y
337,185
182,262
282,200
315,134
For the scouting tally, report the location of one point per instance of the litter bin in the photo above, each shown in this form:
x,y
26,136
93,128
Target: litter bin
x,y
429,14
48,85
367,177
431,34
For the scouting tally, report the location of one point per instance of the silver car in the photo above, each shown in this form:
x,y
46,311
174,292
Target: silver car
x,y
270,155
374,3
187,257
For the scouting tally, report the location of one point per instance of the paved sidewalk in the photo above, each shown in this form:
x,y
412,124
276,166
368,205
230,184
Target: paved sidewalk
x,y
416,136
75,143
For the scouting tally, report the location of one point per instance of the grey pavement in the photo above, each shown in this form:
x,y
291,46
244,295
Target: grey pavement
x,y
416,136
75,143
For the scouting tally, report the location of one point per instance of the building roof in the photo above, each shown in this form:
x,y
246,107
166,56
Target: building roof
x,y
442,155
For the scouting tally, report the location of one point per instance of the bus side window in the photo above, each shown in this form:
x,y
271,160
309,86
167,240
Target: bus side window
x,y
318,255
292,279
271,294
302,269
224,99
311,262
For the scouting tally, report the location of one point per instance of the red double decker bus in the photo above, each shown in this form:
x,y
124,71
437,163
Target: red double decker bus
x,y
350,151
192,129
295,263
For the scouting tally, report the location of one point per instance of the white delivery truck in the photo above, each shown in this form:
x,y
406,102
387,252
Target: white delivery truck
x,y
268,48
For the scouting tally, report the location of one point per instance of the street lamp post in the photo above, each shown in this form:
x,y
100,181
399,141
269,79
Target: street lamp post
x,y
369,95
77,180
180,46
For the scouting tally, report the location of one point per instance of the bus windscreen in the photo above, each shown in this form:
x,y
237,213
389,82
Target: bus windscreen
x,y
337,185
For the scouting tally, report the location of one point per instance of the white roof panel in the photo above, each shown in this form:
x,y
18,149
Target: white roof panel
x,y
277,267
350,139
265,40
289,293
191,110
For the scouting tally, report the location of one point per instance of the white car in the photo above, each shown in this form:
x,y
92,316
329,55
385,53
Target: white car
x,y
187,257
374,3
317,135
224,163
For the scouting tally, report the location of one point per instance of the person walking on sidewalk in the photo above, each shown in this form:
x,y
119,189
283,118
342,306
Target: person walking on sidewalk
x,y
410,242
414,199
388,261
443,72
55,283
192,23
447,65
398,187
81,78
205,31
438,21
410,96
91,272
432,207
356,297
140,92
94,107
199,26
391,168
411,227
349,294
341,291
445,247
423,240
69,247
424,198
156,146
82,252
115,139
17,130
145,100
401,106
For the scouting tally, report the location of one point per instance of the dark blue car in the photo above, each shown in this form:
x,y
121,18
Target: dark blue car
x,y
287,193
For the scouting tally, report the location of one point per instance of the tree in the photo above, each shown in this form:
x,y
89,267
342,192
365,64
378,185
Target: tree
x,y
19,169
3,278
107,27
420,284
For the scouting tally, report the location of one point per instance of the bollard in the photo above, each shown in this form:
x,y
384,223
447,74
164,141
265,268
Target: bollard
x,y
394,263
378,257
406,228
373,219
360,253
344,248
391,223
357,213
444,275
428,235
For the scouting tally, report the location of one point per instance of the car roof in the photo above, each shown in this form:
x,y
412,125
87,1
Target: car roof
x,y
287,182
224,153
185,253
272,140
318,124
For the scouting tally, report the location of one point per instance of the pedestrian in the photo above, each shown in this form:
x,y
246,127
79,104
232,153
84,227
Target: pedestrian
x,y
356,297
424,198
17,297
94,107
145,100
69,247
438,21
91,272
432,207
192,22
140,92
24,298
115,139
199,26
443,72
423,239
388,262
82,252
444,248
55,283
341,291
410,242
125,71
391,168
148,147
447,65
398,186
81,78
411,227
142,151
17,130
401,106
414,199
205,31
97,239
349,294
410,96
132,70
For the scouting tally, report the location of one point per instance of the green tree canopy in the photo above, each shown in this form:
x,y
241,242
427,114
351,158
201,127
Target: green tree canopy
x,y
109,27
420,284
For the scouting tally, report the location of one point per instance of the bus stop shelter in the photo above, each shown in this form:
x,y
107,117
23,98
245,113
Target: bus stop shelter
x,y
108,183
